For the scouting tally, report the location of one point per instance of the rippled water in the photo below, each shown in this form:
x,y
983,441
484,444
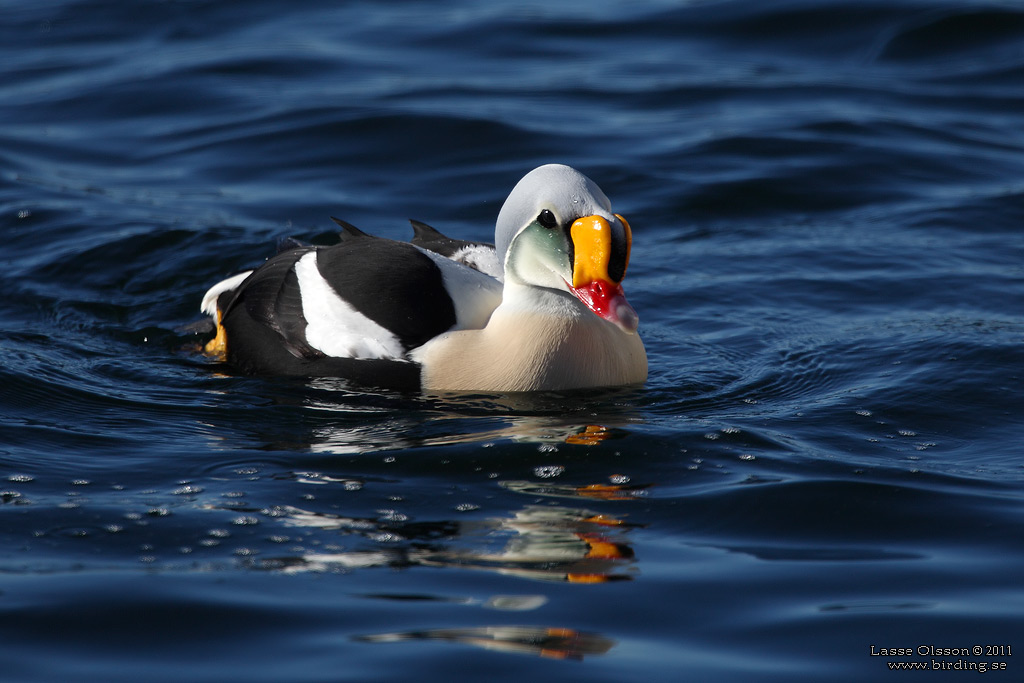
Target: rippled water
x,y
827,201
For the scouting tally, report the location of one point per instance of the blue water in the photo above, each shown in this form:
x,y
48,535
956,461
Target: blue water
x,y
827,201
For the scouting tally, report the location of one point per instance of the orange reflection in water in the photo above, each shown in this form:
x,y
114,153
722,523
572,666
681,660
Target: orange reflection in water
x,y
559,643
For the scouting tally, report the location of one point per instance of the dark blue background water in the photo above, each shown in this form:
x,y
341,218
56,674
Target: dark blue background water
x,y
827,201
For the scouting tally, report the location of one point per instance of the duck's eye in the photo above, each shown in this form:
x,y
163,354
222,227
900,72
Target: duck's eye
x,y
547,219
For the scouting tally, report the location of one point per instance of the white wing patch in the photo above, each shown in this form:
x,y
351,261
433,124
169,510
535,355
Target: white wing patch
x,y
209,305
483,259
333,326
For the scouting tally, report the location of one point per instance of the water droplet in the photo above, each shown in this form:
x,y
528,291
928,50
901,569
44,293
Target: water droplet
x,y
547,448
187,490
548,471
245,520
21,478
516,603
747,456
466,507
619,479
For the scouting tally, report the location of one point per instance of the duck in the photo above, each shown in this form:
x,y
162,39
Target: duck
x,y
540,309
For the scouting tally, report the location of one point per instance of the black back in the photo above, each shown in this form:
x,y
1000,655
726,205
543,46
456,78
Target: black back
x,y
392,283
432,239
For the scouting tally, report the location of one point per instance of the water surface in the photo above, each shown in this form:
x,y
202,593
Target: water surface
x,y
826,198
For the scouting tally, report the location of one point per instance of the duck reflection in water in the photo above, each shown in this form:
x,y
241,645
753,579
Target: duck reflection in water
x,y
547,543
338,421
559,643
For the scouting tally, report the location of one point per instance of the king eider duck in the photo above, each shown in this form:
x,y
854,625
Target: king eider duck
x,y
543,309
